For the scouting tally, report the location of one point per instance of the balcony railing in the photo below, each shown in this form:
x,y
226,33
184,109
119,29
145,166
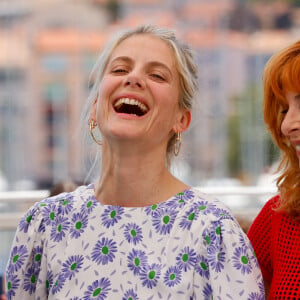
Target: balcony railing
x,y
15,203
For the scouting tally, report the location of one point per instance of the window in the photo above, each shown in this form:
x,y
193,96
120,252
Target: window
x,y
55,93
55,63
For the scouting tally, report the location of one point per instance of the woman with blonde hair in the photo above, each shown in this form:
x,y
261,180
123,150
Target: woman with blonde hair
x,y
275,233
137,232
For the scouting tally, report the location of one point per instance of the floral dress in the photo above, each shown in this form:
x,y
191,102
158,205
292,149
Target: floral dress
x,y
189,247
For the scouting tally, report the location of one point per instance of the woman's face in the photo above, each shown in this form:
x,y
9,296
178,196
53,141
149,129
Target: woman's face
x,y
290,126
138,95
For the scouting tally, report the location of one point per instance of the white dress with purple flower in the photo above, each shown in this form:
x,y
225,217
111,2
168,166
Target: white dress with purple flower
x,y
189,247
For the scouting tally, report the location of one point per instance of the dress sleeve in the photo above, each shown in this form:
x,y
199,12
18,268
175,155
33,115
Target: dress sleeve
x,y
260,234
25,271
233,271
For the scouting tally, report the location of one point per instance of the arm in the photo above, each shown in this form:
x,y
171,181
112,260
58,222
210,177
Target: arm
x,y
2,296
233,269
23,271
260,235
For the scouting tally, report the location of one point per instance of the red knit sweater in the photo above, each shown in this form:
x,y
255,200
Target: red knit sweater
x,y
276,241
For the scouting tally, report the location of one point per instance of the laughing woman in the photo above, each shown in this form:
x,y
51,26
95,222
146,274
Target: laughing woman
x,y
275,232
137,232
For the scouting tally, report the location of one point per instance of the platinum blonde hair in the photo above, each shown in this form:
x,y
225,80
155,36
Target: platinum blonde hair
x,y
185,64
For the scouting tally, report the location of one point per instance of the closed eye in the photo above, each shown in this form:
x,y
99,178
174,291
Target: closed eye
x,y
119,71
157,76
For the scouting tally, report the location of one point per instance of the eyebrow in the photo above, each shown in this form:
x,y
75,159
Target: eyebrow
x,y
150,63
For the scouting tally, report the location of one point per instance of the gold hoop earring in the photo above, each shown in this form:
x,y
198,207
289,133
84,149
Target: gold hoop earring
x,y
177,144
92,125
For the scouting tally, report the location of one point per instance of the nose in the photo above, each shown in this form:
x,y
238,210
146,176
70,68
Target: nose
x,y
135,81
291,123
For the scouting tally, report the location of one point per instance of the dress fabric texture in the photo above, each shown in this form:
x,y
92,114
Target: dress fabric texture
x,y
188,247
276,241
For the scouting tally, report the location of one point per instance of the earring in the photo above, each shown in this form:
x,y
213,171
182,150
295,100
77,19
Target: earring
x,y
177,144
92,125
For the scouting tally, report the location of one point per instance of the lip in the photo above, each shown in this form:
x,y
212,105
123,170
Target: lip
x,y
296,145
131,96
295,142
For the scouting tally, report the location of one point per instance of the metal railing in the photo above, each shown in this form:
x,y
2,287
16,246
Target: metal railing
x,y
241,200
15,203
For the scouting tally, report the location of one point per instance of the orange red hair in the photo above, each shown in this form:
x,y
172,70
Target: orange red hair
x,y
282,74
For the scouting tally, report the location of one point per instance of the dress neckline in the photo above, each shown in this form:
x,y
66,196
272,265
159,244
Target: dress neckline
x,y
91,187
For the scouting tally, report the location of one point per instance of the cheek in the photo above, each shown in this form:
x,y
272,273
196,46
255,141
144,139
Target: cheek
x,y
282,128
171,97
104,89
285,128
104,94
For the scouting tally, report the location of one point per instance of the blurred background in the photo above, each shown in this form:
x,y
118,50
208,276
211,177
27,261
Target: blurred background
x,y
47,51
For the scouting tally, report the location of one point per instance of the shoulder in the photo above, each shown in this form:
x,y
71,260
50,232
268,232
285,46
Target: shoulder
x,y
272,202
65,203
263,221
214,208
205,213
267,210
47,210
217,224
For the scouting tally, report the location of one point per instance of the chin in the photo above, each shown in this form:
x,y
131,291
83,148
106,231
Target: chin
x,y
122,134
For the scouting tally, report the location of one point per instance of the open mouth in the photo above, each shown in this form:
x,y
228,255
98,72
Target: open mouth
x,y
130,106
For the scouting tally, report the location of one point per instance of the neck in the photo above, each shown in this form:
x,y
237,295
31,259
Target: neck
x,y
135,179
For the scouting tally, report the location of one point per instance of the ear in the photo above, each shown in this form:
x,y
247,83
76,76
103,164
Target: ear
x,y
93,110
183,122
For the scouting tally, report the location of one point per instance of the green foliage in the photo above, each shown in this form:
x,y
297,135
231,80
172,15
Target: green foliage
x,y
292,2
113,8
272,151
234,146
296,2
250,147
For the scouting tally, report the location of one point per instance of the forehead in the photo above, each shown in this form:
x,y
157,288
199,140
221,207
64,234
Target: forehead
x,y
146,47
289,75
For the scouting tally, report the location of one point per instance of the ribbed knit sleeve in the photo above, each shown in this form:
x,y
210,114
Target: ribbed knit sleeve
x,y
260,235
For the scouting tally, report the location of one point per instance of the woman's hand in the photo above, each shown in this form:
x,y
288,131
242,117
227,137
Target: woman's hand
x,y
3,297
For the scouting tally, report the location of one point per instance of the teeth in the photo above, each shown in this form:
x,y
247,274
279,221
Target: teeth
x,y
131,102
298,147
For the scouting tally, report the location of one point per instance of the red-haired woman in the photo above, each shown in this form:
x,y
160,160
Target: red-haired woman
x,y
275,233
